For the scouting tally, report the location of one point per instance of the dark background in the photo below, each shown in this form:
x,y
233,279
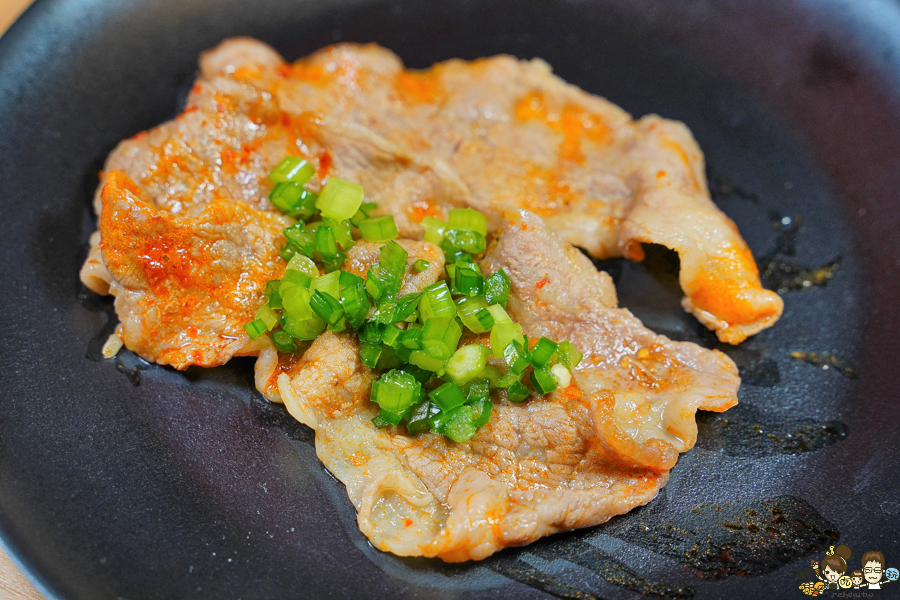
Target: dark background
x,y
190,485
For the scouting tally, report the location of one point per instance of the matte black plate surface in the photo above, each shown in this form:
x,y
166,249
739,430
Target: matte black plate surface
x,y
189,485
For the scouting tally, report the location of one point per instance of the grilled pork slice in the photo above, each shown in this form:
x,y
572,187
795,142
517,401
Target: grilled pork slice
x,y
495,134
185,286
595,449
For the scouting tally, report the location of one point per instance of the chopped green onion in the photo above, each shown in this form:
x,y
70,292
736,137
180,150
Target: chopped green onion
x,y
478,389
293,169
371,332
284,342
481,412
303,329
385,277
465,240
543,380
490,374
294,277
467,218
515,357
440,336
459,426
458,256
425,361
327,307
419,416
289,197
474,314
388,359
369,353
268,316
304,264
296,302
499,314
434,230
385,418
569,355
438,422
562,375
255,328
412,338
356,304
395,391
273,297
436,302
343,232
543,351
325,242
517,392
467,279
466,363
340,199
421,265
330,284
392,335
496,288
302,238
448,396
502,334
348,279
378,229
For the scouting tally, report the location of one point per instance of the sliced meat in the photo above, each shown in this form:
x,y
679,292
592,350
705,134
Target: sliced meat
x,y
185,286
645,388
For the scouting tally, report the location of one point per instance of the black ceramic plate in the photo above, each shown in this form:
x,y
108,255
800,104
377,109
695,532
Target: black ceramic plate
x,y
123,480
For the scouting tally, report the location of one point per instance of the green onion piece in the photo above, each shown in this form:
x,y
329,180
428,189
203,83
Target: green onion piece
x,y
330,284
388,359
436,302
284,342
421,375
288,197
448,396
303,329
474,314
517,392
481,412
421,265
467,218
395,391
288,252
423,360
368,207
569,355
458,256
402,353
272,295
296,302
515,357
440,336
348,279
438,422
385,418
369,353
478,389
419,416
343,232
562,375
339,199
333,264
460,426
327,307
255,328
325,242
467,279
378,229
303,239
268,316
502,334
508,379
466,363
490,374
499,314
304,264
496,288
371,332
356,305
392,312
293,169
465,240
434,230
543,380
392,335
305,208
543,351
412,338
293,277
386,276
